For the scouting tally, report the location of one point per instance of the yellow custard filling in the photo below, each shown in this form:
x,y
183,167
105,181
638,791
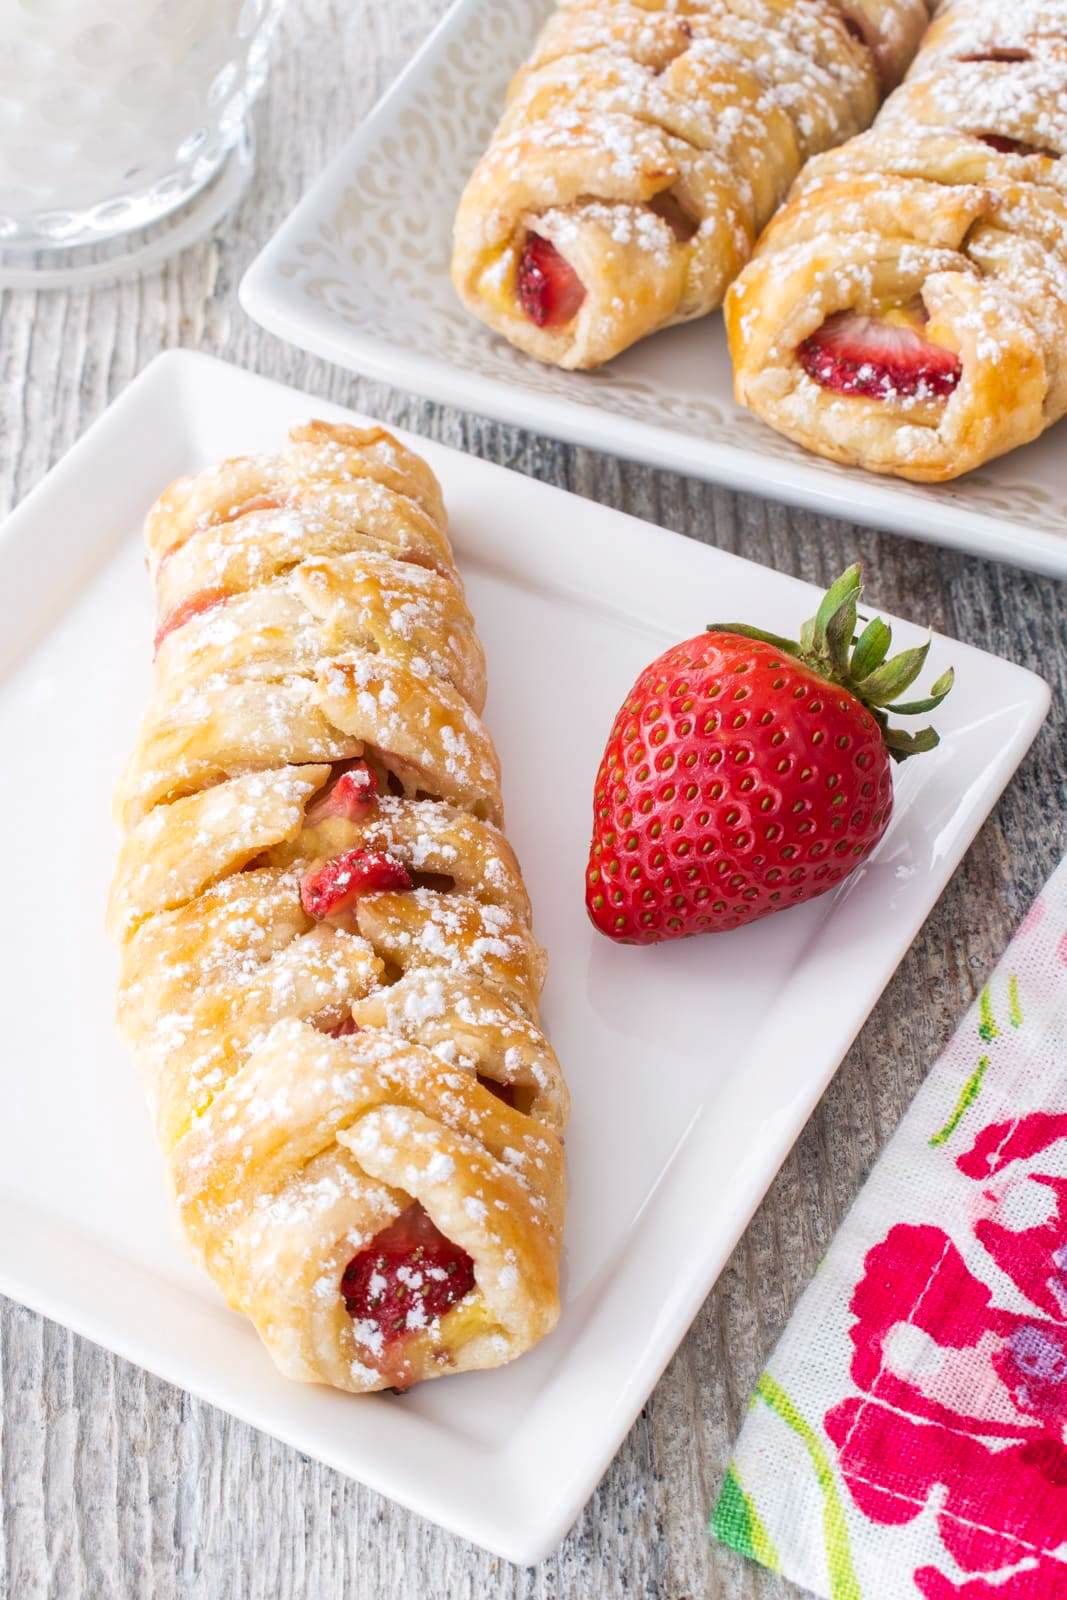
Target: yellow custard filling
x,y
401,1363
496,281
470,1318
910,315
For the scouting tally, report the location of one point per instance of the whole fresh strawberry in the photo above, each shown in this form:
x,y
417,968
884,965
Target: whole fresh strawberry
x,y
746,773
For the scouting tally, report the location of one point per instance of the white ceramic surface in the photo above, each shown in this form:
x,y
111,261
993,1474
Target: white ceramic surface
x,y
692,1066
359,274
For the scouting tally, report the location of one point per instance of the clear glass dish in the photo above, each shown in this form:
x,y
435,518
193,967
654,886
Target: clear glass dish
x,y
117,117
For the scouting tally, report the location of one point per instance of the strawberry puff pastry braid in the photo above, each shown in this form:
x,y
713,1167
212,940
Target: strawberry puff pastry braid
x,y
906,310
645,144
328,972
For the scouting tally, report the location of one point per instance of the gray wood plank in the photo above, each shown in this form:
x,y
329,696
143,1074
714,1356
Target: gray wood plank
x,y
115,1484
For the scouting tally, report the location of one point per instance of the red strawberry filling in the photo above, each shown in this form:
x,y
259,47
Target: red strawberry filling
x,y
405,1279
854,354
336,885
998,53
550,291
193,606
353,796
260,502
344,1029
243,508
501,1091
1013,147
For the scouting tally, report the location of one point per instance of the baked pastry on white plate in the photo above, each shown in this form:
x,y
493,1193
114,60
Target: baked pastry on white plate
x,y
906,310
644,145
328,970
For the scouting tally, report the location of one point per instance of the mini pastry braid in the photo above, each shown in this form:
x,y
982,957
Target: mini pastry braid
x,y
328,971
949,218
643,147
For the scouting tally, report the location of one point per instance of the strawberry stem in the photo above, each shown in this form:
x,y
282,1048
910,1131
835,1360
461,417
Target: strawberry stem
x,y
872,647
789,646
828,646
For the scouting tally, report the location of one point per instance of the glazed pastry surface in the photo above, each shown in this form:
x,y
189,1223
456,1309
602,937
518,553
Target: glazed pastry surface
x,y
644,145
906,310
328,972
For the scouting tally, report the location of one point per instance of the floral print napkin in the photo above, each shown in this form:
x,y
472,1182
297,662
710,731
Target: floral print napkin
x,y
908,1436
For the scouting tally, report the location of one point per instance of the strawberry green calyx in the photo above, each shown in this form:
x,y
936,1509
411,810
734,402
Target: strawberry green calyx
x,y
829,647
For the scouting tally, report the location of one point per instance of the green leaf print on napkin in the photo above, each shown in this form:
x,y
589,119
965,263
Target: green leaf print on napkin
x,y
736,1523
988,1031
968,1095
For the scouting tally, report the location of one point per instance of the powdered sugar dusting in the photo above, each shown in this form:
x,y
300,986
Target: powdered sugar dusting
x,y
951,213
312,1078
649,144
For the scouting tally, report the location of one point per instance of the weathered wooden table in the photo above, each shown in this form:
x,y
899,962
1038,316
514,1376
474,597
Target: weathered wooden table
x,y
114,1484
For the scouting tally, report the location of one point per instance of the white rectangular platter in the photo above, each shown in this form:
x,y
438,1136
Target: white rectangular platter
x,y
693,1066
359,274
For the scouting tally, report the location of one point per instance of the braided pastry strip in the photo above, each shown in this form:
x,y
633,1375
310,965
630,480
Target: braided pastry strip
x,y
945,224
645,144
328,973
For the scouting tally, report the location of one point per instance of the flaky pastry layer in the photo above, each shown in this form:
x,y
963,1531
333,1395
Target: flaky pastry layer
x,y
318,1074
648,141
954,203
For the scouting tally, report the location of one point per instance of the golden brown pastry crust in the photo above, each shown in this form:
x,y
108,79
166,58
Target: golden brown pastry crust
x,y
711,105
311,614
921,207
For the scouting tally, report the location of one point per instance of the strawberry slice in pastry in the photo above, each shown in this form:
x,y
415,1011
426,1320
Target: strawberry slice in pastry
x,y
550,291
352,796
405,1280
884,359
193,606
334,887
500,1091
1013,147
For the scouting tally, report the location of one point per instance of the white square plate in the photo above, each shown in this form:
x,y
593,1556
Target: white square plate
x,y
359,274
693,1066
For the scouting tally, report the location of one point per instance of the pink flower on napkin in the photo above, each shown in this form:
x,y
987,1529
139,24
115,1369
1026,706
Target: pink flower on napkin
x,y
964,1402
